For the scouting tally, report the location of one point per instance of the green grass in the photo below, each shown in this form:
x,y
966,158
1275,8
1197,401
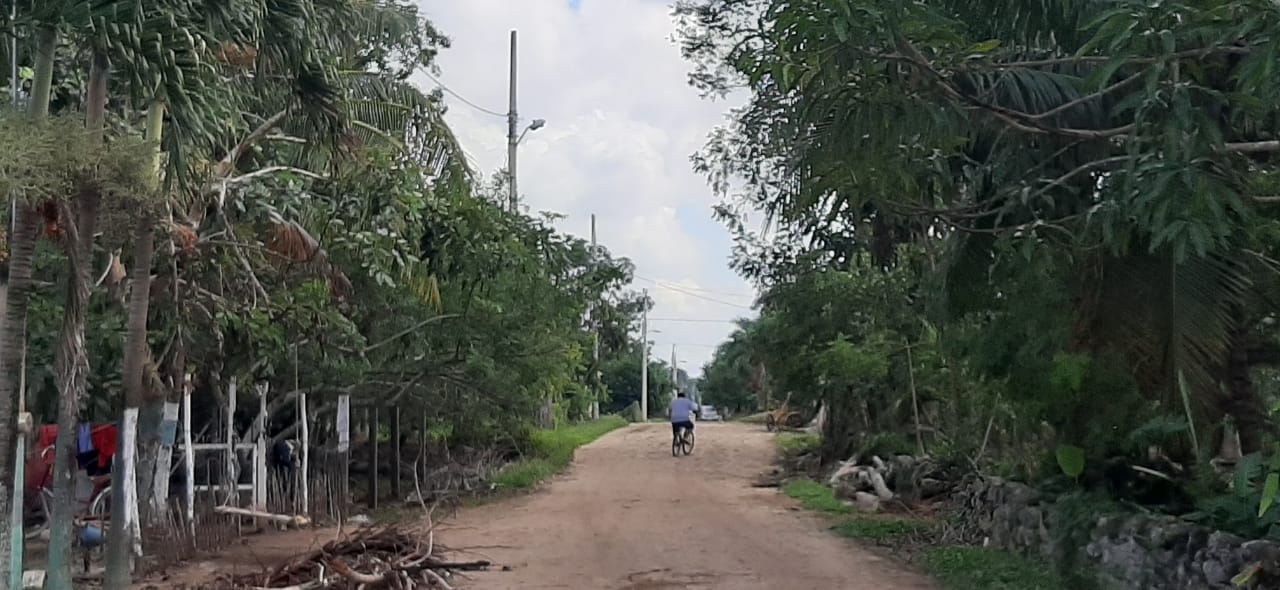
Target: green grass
x,y
791,444
815,496
551,452
879,530
971,568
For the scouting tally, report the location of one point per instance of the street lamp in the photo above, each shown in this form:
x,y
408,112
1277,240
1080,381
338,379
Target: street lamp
x,y
534,126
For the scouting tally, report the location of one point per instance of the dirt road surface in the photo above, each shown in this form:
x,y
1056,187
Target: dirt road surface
x,y
629,516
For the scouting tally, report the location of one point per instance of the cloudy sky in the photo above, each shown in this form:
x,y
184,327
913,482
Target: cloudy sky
x,y
621,125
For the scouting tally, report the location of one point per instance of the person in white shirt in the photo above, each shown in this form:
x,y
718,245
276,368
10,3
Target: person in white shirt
x,y
682,412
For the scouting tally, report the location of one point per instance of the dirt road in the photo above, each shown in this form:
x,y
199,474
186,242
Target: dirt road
x,y
629,516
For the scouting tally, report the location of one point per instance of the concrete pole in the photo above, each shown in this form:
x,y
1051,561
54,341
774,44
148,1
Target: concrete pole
x,y
595,333
675,375
644,360
512,122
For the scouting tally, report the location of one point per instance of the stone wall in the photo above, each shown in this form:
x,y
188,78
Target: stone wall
x,y
1119,552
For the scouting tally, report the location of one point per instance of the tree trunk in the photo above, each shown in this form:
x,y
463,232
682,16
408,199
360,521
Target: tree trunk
x,y
136,354
13,329
12,344
71,368
71,365
838,427
1242,401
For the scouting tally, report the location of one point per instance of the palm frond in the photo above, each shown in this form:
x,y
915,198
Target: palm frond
x,y
1169,319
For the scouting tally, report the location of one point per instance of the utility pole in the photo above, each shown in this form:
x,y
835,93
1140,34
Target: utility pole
x,y
675,375
644,359
512,139
595,334
13,56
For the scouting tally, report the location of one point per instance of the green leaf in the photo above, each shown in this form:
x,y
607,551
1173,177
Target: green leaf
x,y
1071,460
1269,492
985,46
842,30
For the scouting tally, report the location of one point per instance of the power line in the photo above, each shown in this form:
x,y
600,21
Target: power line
x,y
703,297
700,289
696,295
693,320
463,98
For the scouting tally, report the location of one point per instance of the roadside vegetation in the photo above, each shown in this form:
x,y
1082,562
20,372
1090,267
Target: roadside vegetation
x,y
814,496
551,452
1036,240
914,540
792,444
320,233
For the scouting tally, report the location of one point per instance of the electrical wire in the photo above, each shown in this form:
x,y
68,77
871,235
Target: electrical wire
x,y
699,289
695,295
463,98
693,320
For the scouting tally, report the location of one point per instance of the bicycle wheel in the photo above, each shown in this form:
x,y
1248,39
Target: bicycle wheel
x,y
686,442
675,445
101,506
45,499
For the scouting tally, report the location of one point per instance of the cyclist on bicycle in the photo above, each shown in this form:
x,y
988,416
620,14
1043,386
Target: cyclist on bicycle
x,y
682,412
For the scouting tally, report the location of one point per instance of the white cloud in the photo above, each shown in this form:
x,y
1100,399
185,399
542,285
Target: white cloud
x,y
621,124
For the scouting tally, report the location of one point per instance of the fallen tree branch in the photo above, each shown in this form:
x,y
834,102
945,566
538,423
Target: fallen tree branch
x,y
371,559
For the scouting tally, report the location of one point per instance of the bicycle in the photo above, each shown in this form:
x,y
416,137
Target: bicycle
x,y
682,442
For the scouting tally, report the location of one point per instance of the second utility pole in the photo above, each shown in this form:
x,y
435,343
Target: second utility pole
x,y
512,139
595,334
675,374
644,359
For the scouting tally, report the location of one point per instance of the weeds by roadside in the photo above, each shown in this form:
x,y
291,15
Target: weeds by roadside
x,y
968,568
815,496
955,567
551,452
791,444
879,530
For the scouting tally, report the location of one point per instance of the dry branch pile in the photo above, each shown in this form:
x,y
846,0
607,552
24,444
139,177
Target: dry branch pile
x,y
369,559
905,478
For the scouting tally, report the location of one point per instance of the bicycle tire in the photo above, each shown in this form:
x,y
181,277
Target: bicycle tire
x,y
675,445
686,443
101,505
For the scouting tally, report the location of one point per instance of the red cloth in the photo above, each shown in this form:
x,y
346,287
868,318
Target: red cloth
x,y
104,440
103,437
39,467
48,436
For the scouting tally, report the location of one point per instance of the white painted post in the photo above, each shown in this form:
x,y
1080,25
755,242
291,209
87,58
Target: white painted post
x,y
343,426
189,454
260,451
128,458
233,482
304,485
164,462
344,423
